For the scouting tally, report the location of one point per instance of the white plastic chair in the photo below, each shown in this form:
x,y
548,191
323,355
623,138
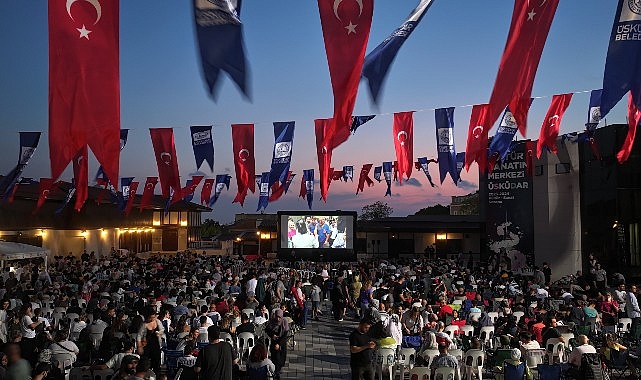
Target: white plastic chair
x,y
420,373
493,316
227,338
429,355
250,313
451,330
567,337
467,330
445,373
457,302
385,359
534,357
624,325
555,349
63,361
474,361
72,316
405,361
457,353
246,341
474,316
486,335
518,315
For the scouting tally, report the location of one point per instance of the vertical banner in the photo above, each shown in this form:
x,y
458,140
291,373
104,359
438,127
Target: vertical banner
x,y
357,121
70,193
148,192
364,177
277,190
132,196
510,220
387,172
242,138
263,199
123,196
423,164
594,110
634,115
205,192
162,140
445,143
308,177
187,192
28,143
81,177
84,83
46,186
348,173
124,134
502,141
552,123
476,149
282,156
403,133
378,171
222,181
203,145
460,163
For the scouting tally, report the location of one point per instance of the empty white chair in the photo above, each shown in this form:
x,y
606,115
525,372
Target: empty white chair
x,y
405,361
420,373
63,361
445,373
250,314
60,310
467,330
534,357
486,335
474,360
246,341
555,349
624,325
493,316
72,317
96,338
518,315
385,359
451,330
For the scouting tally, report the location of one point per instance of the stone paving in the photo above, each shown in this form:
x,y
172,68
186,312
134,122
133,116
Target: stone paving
x,y
322,350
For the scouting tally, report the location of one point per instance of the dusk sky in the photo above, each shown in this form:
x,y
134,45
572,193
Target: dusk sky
x,y
450,60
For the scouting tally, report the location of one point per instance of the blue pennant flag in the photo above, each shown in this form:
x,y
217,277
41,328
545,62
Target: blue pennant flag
x,y
101,178
357,121
190,195
348,173
445,143
424,165
263,199
70,192
501,143
203,145
282,157
308,177
379,60
623,62
123,194
28,144
124,134
460,163
594,112
220,39
378,170
222,181
387,172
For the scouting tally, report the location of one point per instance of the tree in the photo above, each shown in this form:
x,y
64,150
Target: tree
x,y
434,210
376,210
210,228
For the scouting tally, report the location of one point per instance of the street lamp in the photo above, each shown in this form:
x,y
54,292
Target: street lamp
x,y
260,237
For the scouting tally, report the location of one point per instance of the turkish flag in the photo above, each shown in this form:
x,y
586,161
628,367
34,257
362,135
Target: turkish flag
x,y
279,189
337,175
131,196
148,192
46,186
364,177
404,142
528,31
190,189
81,177
303,189
205,192
530,148
165,150
634,115
84,83
242,136
346,26
552,123
324,155
476,149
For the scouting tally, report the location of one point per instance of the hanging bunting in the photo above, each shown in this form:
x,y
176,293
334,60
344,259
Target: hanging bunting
x,y
378,171
346,26
552,123
148,192
387,172
47,185
81,177
165,150
502,140
364,177
634,115
403,132
337,175
379,60
594,110
203,145
460,163
348,173
263,199
308,179
124,134
220,40
278,190
528,32
476,149
205,192
132,196
423,164
123,195
530,150
222,181
623,62
244,160
21,181
84,83
28,144
323,155
445,143
187,197
188,191
70,193
282,155
357,121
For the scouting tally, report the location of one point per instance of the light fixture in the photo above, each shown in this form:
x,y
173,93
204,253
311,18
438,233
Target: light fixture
x,y
156,222
441,236
257,232
616,224
84,233
237,239
43,233
183,223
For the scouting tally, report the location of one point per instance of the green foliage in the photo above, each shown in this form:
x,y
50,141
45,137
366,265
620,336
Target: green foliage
x,y
211,228
376,210
434,210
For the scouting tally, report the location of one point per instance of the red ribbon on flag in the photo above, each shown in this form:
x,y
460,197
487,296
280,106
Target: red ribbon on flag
x,y
552,123
244,160
165,150
634,115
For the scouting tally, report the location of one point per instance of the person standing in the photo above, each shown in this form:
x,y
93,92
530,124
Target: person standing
x,y
632,309
361,347
547,272
277,328
215,361
149,337
300,303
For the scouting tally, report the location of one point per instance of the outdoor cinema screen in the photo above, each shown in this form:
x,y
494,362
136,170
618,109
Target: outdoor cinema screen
x,y
316,235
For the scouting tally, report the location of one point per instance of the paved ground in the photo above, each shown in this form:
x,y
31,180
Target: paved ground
x,y
322,350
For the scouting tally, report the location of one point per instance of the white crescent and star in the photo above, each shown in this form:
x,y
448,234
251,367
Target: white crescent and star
x,y
351,28
243,154
167,160
398,137
477,135
84,32
45,193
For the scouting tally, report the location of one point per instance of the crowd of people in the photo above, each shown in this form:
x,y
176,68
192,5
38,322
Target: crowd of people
x,y
123,313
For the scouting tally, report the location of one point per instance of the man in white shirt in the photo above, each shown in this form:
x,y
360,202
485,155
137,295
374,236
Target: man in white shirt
x,y
584,347
251,284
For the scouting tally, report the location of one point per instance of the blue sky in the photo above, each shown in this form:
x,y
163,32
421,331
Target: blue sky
x,y
450,60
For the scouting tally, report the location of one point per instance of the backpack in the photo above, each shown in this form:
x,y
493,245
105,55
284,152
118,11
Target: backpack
x,y
591,368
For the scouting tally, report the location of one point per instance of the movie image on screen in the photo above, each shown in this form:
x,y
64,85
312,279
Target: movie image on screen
x,y
308,235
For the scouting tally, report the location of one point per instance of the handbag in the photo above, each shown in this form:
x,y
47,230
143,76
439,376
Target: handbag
x,y
412,341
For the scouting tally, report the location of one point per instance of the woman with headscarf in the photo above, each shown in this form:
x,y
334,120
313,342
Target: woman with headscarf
x,y
277,329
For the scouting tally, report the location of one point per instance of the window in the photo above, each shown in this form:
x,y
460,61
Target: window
x,y
562,168
635,251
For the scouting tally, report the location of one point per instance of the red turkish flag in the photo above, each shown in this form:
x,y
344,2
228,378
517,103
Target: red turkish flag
x,y
189,190
337,175
324,155
148,192
242,136
364,177
529,29
81,177
13,193
84,83
303,189
552,123
346,26
476,149
530,148
46,186
165,150
131,196
404,142
634,115
205,192
278,189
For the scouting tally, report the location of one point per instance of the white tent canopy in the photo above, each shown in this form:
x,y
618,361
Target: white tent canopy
x,y
18,251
